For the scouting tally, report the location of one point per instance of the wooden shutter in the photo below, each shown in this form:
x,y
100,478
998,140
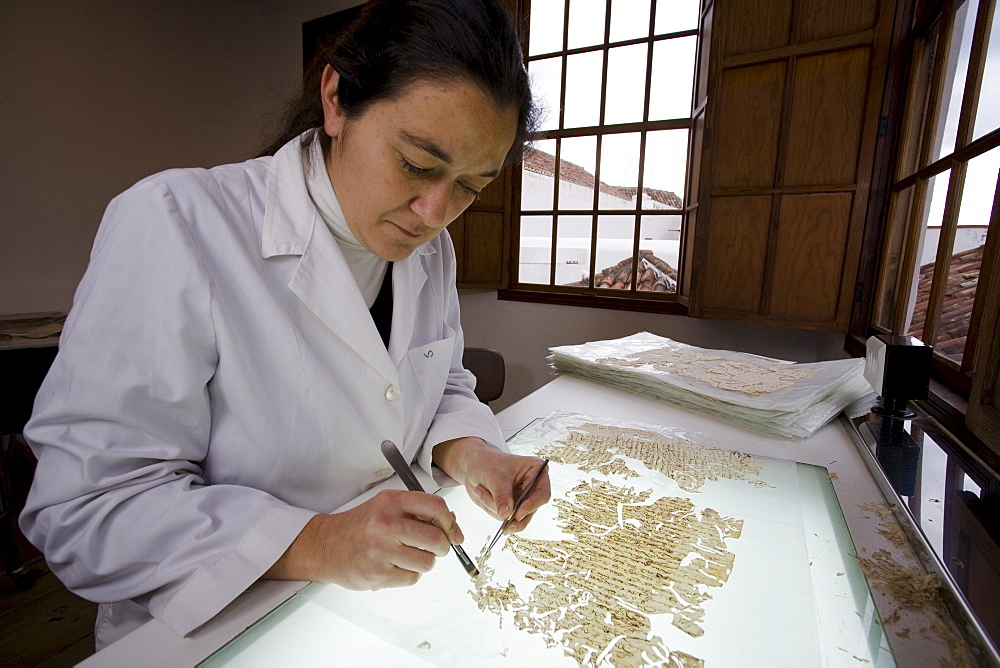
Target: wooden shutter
x,y
478,235
795,91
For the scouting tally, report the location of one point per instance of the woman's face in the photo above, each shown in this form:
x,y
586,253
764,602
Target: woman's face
x,y
407,167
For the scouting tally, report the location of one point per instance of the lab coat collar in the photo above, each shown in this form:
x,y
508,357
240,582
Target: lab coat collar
x,y
323,280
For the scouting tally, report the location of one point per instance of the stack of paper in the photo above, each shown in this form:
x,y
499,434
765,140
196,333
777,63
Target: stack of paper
x,y
770,396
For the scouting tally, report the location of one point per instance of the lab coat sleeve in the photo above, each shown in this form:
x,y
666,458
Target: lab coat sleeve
x,y
119,504
459,413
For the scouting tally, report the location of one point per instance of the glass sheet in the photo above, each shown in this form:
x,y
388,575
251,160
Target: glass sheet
x,y
676,15
535,251
577,164
890,285
583,89
573,250
956,70
673,78
629,19
586,23
656,550
625,99
546,84
967,252
546,27
988,111
666,166
538,175
615,236
930,475
937,191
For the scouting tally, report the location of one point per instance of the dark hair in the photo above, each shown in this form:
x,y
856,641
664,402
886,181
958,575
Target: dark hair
x,y
394,43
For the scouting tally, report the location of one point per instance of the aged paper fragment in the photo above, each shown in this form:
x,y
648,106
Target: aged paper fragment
x,y
655,550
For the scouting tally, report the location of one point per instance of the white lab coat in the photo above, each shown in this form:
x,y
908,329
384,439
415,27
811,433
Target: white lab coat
x,y
220,381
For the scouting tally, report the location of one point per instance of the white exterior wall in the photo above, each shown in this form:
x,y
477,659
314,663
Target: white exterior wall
x,y
660,234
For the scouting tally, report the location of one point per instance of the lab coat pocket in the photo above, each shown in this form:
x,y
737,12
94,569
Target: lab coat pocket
x,y
431,363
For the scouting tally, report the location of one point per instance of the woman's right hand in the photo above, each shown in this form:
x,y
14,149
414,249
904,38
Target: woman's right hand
x,y
388,541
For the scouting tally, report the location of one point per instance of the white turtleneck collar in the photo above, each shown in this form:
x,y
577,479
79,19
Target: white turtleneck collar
x,y
368,269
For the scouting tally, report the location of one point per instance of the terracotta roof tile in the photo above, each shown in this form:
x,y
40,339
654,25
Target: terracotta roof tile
x,y
655,275
956,310
541,162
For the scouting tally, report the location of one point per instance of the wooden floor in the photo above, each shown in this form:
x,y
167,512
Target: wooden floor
x,y
44,625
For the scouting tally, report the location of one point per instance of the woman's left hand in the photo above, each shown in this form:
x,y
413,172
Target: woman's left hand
x,y
493,478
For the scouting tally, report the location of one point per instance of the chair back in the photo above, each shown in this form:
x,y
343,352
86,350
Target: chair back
x,y
487,366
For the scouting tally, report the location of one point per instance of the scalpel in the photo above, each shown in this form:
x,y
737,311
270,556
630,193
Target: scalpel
x,y
402,469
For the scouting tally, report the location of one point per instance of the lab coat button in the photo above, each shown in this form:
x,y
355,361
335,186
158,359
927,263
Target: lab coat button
x,y
382,474
392,393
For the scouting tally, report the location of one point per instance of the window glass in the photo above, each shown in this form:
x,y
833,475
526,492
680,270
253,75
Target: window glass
x,y
967,254
537,180
583,89
988,111
937,190
535,251
666,166
546,82
673,78
956,69
891,261
659,252
615,237
545,30
619,171
573,250
576,172
676,15
626,84
586,22
629,19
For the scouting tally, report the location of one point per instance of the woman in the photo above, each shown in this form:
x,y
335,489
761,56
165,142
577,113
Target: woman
x,y
245,337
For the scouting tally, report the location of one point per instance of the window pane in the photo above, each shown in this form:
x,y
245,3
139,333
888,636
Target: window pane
x,y
673,78
615,236
955,71
535,251
583,89
573,250
629,19
666,163
586,22
619,171
626,84
576,173
659,251
967,254
988,112
892,258
546,27
538,175
676,15
937,190
546,83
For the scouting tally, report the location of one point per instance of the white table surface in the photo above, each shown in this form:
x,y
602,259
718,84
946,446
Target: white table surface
x,y
831,447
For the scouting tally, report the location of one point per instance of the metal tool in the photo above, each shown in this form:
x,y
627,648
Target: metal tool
x,y
402,469
517,504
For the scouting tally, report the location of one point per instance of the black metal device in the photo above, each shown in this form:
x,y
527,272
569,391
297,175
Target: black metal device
x,y
898,368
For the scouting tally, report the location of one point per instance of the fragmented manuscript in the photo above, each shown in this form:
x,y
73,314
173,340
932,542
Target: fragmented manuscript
x,y
655,550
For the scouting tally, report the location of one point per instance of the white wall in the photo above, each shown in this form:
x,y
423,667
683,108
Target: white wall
x,y
95,97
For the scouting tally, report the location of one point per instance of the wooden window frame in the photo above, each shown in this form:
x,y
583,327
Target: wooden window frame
x,y
590,296
962,394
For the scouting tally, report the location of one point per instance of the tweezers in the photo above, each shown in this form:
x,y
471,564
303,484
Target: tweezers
x,y
517,504
402,469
